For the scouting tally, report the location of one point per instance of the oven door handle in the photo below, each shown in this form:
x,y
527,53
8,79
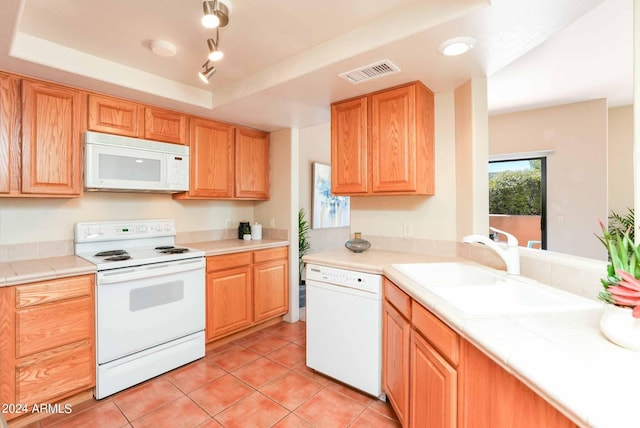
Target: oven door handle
x,y
149,271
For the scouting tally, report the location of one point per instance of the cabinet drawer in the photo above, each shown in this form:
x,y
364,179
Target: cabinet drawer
x,y
398,298
445,340
45,327
54,290
55,375
270,254
227,261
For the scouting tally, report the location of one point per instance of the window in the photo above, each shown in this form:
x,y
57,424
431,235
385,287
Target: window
x,y
517,199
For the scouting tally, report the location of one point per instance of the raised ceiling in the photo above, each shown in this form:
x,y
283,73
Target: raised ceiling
x,y
283,57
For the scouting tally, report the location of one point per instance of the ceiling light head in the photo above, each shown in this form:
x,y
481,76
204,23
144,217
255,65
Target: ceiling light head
x,y
163,48
214,53
206,74
216,13
457,46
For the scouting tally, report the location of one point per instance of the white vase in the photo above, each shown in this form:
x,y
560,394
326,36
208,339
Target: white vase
x,y
620,327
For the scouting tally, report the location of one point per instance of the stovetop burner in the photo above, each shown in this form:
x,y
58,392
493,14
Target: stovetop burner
x,y
164,247
118,258
175,251
110,253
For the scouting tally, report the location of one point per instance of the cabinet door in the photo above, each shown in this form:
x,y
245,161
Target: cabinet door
x,y
490,396
116,116
252,164
9,134
212,153
433,391
165,125
271,289
53,119
229,302
396,334
393,140
349,156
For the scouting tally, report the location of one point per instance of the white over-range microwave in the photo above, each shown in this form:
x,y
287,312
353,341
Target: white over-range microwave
x,y
126,164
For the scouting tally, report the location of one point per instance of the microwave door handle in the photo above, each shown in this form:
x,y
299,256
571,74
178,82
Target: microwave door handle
x,y
150,272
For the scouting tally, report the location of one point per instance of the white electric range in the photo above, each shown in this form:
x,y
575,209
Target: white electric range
x,y
150,300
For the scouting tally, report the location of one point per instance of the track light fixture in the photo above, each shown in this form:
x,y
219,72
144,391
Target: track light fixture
x,y
206,74
216,14
215,54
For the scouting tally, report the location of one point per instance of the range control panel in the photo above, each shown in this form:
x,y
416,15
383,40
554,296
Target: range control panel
x,y
347,278
115,230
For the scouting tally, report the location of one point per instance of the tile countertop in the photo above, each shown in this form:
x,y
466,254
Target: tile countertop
x,y
562,356
227,246
26,271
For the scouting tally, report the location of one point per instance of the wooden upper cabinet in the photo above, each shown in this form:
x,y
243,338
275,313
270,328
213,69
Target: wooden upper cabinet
x,y
165,125
385,147
9,134
53,120
393,140
349,127
212,160
251,164
115,116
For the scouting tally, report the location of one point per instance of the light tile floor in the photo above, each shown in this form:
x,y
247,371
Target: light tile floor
x,y
258,381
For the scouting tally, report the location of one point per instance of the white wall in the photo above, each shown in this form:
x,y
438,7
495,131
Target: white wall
x,y
37,220
576,170
315,146
282,208
431,217
471,161
620,160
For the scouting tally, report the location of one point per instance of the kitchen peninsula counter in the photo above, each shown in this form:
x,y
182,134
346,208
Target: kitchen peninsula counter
x,y
561,355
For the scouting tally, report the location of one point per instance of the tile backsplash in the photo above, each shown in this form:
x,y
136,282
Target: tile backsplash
x,y
46,249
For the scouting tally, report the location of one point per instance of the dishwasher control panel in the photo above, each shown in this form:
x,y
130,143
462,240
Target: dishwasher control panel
x,y
346,278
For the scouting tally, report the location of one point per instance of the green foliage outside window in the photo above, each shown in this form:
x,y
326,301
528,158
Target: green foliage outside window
x,y
515,192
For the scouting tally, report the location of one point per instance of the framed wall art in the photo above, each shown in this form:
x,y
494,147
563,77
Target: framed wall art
x,y
328,210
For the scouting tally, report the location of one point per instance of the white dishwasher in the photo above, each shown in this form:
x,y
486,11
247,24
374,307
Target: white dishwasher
x,y
344,326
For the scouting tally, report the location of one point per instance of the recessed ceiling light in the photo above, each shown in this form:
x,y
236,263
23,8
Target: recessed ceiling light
x,y
163,48
457,46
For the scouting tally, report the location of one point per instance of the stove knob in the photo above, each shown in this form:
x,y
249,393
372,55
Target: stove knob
x,y
167,226
158,227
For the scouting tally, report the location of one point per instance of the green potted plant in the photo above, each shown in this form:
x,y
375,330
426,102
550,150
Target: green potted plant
x,y
620,321
304,246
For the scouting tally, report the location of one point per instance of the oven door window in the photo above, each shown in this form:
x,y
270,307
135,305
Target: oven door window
x,y
155,295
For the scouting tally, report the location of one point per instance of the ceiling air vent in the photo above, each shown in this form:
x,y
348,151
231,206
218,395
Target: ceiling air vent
x,y
371,71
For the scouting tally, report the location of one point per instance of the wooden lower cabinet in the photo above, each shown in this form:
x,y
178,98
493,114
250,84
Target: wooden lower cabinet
x,y
229,301
244,289
271,289
395,373
433,387
489,396
47,341
434,378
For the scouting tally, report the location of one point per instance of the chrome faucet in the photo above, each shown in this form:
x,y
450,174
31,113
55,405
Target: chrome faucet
x,y
509,252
